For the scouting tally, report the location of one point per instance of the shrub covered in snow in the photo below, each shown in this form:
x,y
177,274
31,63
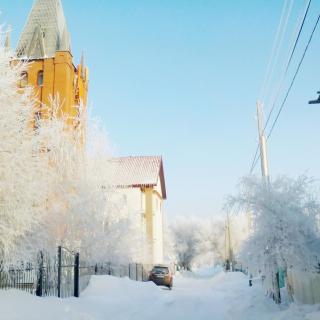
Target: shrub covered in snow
x,y
197,242
285,229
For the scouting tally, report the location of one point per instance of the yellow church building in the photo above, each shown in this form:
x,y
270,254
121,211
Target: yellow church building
x,y
45,44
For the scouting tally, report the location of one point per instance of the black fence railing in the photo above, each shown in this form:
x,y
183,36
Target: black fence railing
x,y
47,276
21,278
65,275
67,272
134,271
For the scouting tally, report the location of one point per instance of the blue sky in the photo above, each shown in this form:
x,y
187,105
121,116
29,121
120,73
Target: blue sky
x,y
180,78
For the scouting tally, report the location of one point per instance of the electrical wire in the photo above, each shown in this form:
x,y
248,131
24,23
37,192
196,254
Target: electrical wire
x,y
299,33
294,77
256,157
286,11
287,66
289,90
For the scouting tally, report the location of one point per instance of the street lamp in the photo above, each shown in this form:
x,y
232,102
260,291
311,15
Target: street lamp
x,y
315,101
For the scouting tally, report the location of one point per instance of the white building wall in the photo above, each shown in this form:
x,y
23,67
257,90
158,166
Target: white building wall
x,y
157,226
135,200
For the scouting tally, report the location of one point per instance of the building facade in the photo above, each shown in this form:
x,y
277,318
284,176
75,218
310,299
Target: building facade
x,y
141,181
45,45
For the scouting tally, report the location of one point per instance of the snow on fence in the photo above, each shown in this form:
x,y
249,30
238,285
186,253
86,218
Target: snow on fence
x,y
64,275
46,276
21,277
134,271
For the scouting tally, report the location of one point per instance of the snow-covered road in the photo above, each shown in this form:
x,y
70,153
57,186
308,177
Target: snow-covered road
x,y
222,296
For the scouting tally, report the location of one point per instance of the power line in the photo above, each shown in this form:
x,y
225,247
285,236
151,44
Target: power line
x,y
255,159
294,77
299,33
289,89
287,66
285,14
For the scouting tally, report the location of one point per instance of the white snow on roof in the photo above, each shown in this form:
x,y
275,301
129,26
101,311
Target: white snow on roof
x,y
136,171
140,171
45,31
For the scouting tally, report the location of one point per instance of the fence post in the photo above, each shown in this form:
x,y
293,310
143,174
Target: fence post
x,y
59,270
142,272
76,274
40,276
96,269
137,278
129,271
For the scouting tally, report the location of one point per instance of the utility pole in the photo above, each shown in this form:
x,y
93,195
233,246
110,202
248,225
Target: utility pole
x,y
262,144
228,247
266,178
225,247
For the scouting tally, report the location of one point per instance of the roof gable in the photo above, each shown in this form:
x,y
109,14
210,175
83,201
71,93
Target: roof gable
x,y
141,171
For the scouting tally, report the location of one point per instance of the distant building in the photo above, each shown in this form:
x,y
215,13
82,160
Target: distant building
x,y
141,181
45,44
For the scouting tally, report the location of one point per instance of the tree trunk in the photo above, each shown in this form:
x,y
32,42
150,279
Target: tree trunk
x,y
276,288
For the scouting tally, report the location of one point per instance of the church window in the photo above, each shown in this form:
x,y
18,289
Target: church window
x,y
40,78
24,79
37,118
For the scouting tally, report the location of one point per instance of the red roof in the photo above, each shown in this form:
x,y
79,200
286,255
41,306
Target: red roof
x,y
138,172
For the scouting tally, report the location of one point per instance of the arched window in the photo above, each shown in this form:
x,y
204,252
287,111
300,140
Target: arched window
x,y
24,79
40,78
37,118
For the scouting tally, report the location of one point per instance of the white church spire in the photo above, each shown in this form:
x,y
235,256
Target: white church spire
x,y
45,31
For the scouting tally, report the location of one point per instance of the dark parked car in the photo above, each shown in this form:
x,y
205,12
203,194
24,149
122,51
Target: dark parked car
x,y
161,276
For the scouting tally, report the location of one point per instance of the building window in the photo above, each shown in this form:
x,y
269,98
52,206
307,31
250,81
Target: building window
x,y
40,78
37,118
24,79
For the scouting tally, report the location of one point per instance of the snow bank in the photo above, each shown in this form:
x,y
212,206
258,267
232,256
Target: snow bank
x,y
207,272
204,272
108,285
224,296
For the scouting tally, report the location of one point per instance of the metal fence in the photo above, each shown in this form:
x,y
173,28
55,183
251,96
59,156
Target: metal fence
x,y
64,275
67,273
21,278
47,277
57,276
134,271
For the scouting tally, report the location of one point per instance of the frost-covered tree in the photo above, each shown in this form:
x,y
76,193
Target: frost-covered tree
x,y
186,242
211,236
55,184
23,189
197,241
285,224
84,212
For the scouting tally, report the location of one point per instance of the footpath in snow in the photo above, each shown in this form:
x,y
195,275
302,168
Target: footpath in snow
x,y
223,296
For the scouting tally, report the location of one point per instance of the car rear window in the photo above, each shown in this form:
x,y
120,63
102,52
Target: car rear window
x,y
160,270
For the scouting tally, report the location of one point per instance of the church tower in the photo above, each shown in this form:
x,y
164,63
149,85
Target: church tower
x,y
45,44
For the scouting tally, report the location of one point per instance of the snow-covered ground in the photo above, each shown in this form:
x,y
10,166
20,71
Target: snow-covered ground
x,y
221,296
